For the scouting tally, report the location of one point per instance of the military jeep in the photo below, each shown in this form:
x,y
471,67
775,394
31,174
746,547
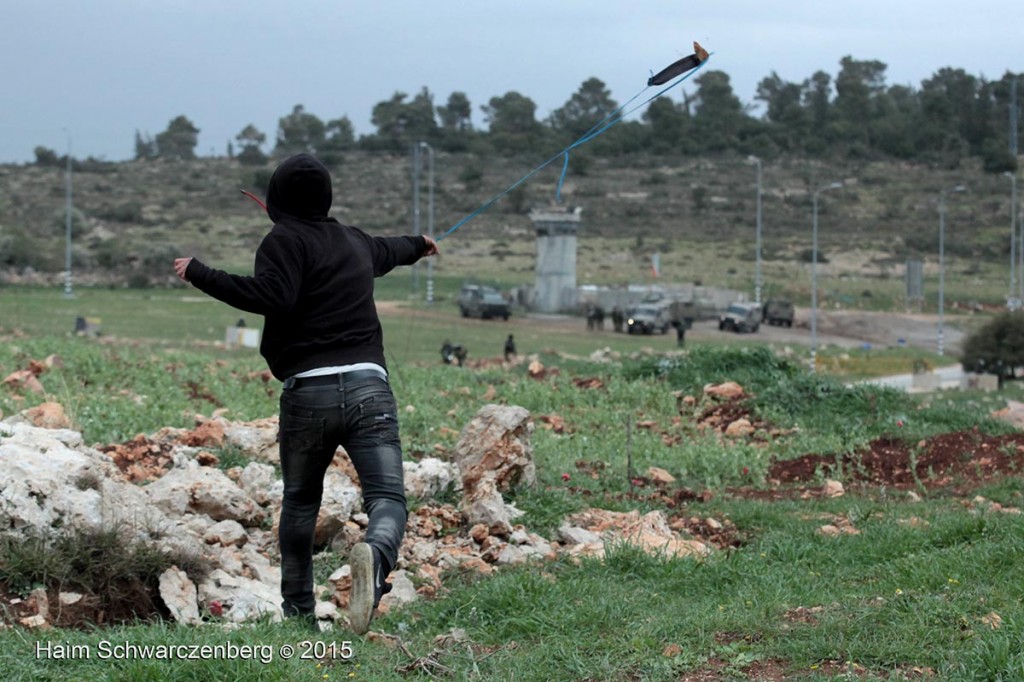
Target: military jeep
x,y
483,302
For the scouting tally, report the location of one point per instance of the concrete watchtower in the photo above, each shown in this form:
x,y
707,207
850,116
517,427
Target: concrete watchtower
x,y
557,227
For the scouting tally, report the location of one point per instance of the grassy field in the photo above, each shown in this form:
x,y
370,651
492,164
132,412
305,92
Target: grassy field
x,y
910,596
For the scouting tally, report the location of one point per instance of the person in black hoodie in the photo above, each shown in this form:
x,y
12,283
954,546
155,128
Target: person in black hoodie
x,y
313,285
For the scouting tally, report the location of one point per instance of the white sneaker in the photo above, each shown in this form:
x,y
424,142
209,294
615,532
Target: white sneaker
x,y
361,600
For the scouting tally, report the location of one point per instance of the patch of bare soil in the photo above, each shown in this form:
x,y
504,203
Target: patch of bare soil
x,y
140,459
964,460
129,601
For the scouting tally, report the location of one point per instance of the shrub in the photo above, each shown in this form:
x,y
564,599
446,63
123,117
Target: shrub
x,y
997,347
807,256
251,156
471,176
117,574
58,224
46,157
127,212
112,253
19,250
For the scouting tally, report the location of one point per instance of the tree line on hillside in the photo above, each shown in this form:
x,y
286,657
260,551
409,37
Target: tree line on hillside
x,y
951,116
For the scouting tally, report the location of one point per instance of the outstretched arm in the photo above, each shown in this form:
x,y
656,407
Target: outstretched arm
x,y
272,289
390,252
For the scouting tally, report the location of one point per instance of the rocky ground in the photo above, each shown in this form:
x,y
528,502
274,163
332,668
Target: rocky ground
x,y
224,520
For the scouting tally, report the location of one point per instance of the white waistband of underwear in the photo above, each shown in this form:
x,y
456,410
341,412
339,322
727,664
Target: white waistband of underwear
x,y
341,369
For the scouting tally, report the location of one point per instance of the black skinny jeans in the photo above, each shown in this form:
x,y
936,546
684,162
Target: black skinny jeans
x,y
362,417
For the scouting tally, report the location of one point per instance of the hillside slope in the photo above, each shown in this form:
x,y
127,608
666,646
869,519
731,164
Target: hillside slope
x,y
132,217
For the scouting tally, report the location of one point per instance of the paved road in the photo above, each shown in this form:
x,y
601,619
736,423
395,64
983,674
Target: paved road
x,y
841,328
949,376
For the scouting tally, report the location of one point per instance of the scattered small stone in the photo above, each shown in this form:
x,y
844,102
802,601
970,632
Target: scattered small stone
x,y
740,427
833,489
326,610
660,476
35,622
479,532
729,390
671,651
207,459
48,416
69,598
993,620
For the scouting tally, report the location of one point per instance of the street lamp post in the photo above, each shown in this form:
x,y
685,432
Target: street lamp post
x,y
416,210
1013,237
814,274
941,341
67,226
1019,220
757,266
430,219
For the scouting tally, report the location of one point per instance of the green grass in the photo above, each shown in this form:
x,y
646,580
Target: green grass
x,y
889,599
896,596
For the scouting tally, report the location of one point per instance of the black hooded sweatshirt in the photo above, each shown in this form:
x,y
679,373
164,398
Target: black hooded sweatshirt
x,y
313,277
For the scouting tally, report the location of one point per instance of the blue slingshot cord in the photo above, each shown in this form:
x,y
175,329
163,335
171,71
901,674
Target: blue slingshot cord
x,y
561,179
565,166
597,129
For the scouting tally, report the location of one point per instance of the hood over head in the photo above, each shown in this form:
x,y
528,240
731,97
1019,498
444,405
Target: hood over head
x,y
300,187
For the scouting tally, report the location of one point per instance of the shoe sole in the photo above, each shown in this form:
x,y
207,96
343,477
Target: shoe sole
x,y
360,604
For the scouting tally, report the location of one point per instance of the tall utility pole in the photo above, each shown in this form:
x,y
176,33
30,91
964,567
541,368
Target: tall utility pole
x,y
67,227
1014,109
430,219
757,266
942,263
1013,233
814,274
415,210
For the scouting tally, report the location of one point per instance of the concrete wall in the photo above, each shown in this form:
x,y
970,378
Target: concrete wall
x,y
625,297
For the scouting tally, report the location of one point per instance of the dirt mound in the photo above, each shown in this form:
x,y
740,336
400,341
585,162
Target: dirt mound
x,y
964,459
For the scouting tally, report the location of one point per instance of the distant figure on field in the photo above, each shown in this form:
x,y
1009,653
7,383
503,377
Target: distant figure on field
x,y
510,348
447,354
617,318
681,327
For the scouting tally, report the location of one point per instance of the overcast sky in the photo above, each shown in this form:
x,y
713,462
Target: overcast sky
x,y
102,69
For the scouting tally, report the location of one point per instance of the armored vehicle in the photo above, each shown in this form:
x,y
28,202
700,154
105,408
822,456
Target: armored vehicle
x,y
740,317
483,302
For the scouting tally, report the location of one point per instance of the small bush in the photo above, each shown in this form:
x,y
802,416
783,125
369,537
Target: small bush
x,y
46,157
471,176
807,256
112,253
996,348
128,212
118,574
251,156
